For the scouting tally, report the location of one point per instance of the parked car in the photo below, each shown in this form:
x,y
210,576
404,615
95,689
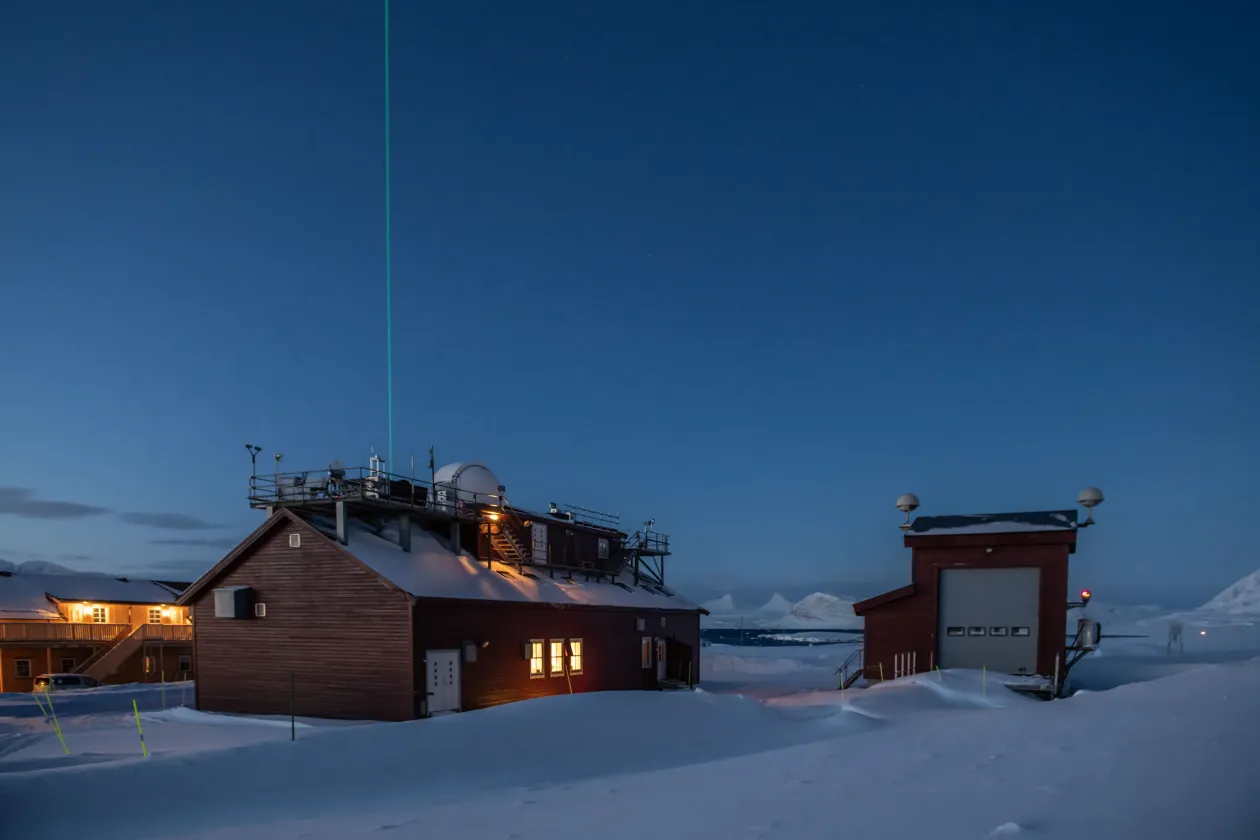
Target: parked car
x,y
63,682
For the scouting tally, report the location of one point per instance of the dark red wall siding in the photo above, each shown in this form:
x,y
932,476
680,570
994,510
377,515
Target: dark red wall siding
x,y
611,646
909,625
343,634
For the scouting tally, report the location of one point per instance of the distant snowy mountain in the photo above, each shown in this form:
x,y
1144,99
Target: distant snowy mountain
x,y
1243,598
40,567
777,605
723,605
819,611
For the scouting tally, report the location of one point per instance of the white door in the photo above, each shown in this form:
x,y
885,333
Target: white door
x,y
442,680
660,659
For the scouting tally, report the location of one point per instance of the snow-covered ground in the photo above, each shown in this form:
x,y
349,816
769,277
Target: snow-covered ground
x,y
769,749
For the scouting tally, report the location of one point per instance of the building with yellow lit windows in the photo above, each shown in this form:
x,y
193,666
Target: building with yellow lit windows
x,y
108,629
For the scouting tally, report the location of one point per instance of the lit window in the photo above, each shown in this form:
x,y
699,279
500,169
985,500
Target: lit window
x,y
148,664
535,658
557,657
646,648
100,614
575,656
155,615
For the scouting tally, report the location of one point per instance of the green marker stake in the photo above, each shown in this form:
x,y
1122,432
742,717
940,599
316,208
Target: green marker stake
x,y
56,724
144,750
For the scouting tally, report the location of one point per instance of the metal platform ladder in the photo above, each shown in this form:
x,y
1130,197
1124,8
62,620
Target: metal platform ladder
x,y
852,669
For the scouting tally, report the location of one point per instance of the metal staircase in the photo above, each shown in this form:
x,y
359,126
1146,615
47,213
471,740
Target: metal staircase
x,y
852,669
504,541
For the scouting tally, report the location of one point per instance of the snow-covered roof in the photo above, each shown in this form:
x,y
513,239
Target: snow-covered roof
x,y
432,570
26,596
994,523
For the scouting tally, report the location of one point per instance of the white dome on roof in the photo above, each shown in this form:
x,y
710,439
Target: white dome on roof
x,y
472,481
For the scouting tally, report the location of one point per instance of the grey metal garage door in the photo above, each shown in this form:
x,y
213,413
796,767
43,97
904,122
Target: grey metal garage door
x,y
988,617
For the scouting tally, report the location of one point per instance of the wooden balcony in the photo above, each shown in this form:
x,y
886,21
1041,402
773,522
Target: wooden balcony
x,y
165,632
45,632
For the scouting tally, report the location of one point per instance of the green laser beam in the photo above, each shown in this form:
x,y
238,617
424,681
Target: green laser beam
x,y
389,337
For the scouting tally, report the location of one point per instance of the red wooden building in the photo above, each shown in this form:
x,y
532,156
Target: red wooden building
x,y
987,591
370,596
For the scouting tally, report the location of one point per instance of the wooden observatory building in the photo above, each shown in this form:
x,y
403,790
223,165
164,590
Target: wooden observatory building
x,y
987,591
366,595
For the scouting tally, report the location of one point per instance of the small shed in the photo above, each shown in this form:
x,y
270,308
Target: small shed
x,y
987,591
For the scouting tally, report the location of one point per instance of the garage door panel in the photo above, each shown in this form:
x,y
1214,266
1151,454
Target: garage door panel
x,y
988,618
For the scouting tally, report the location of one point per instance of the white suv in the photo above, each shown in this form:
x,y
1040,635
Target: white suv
x,y
62,682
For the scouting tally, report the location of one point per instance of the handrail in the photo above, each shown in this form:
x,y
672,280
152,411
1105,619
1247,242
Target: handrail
x,y
59,631
847,679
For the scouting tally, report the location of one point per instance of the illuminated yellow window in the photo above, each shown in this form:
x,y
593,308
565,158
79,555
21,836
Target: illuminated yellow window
x,y
575,656
645,649
557,657
100,614
155,615
535,658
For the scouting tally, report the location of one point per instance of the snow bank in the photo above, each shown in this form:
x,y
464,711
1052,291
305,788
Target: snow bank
x,y
573,737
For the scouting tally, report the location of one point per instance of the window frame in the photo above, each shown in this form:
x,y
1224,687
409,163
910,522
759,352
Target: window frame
x,y
956,632
1021,632
100,614
538,646
554,658
645,652
152,612
64,660
18,665
999,631
576,659
185,657
977,632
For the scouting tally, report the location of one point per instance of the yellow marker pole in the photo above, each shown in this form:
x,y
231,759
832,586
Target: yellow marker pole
x,y
143,749
881,672
56,723
42,710
939,676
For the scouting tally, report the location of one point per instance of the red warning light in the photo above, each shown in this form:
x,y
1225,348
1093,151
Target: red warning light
x,y
1085,595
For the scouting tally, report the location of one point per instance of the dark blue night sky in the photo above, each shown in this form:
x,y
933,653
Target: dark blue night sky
x,y
752,269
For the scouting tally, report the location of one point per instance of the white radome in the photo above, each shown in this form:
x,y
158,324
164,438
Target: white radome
x,y
471,481
907,502
1090,497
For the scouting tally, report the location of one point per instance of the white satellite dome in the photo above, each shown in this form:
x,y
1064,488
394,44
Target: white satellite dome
x,y
468,481
1090,497
907,502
